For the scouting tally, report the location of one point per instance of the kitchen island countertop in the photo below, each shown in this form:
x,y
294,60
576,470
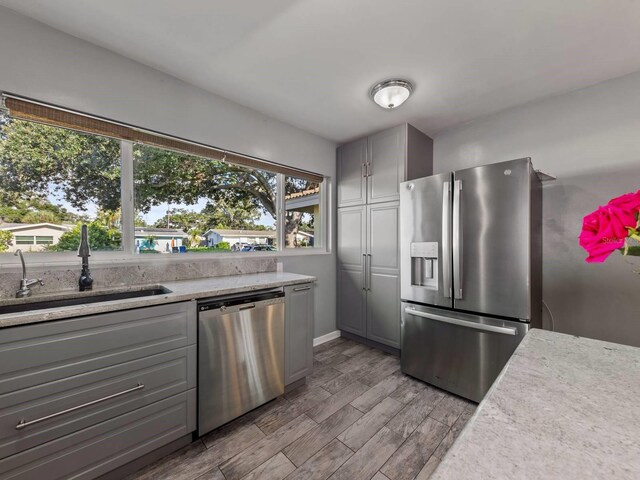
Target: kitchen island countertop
x,y
564,407
181,290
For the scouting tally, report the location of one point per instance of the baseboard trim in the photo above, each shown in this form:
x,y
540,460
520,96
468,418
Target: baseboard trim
x,y
326,338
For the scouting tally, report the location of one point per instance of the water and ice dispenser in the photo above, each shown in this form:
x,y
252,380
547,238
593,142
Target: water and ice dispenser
x,y
424,264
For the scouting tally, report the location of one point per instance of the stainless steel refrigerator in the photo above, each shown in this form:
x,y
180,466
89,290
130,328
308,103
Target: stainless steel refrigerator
x,y
471,279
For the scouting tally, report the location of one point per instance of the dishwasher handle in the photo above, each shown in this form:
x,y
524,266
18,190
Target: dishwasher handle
x,y
235,300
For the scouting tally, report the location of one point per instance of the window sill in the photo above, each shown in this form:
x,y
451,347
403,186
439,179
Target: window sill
x,y
109,259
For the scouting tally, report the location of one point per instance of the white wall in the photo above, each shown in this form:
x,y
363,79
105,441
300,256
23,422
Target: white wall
x,y
590,139
45,64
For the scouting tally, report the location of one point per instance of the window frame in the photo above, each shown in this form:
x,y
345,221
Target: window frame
x,y
127,253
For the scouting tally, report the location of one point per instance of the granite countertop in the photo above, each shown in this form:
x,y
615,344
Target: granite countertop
x,y
564,407
182,290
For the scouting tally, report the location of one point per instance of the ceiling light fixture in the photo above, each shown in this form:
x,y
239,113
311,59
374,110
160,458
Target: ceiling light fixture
x,y
391,93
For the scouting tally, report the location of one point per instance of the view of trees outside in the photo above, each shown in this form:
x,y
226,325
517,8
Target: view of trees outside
x,y
197,194
62,177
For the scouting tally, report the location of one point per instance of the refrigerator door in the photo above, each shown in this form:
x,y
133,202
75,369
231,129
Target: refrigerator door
x,y
458,352
425,240
491,239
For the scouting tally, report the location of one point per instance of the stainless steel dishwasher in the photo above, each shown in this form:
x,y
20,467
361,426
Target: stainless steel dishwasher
x,y
240,355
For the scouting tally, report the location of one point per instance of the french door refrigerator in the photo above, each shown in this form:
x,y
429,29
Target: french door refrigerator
x,y
471,262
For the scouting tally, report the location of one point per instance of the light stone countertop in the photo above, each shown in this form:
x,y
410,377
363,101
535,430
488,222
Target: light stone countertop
x,y
564,407
182,290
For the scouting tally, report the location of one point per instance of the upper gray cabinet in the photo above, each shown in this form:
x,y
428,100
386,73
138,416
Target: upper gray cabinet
x,y
352,184
370,169
385,170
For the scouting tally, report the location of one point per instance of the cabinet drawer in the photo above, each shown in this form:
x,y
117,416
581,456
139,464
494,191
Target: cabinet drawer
x,y
35,354
96,450
59,408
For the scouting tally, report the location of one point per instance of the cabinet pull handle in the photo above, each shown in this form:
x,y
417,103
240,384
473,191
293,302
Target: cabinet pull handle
x,y
369,272
364,272
363,169
22,424
301,289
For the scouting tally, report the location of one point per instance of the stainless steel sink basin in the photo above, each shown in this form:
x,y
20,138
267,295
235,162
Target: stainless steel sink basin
x,y
94,297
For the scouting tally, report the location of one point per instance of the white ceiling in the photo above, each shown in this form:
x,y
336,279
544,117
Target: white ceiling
x,y
311,62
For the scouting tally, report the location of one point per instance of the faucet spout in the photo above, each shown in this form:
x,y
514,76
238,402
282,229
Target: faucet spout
x,y
25,283
24,267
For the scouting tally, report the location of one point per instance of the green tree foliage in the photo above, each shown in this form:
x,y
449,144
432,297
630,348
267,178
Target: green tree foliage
x,y
81,168
163,176
85,169
35,210
5,240
100,238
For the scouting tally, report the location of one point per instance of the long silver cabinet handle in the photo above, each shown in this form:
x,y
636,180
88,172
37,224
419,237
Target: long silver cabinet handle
x,y
23,424
364,271
301,289
462,323
457,240
369,272
446,239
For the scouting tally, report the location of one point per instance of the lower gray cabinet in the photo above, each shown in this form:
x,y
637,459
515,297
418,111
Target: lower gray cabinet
x,y
369,272
83,396
298,327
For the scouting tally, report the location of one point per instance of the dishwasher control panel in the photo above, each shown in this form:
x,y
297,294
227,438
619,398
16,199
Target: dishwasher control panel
x,y
222,303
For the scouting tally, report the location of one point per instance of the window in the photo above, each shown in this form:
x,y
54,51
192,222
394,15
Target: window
x,y
53,179
302,208
24,240
46,240
142,192
187,203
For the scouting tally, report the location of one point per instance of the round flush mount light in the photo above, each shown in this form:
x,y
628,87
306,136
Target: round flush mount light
x,y
391,93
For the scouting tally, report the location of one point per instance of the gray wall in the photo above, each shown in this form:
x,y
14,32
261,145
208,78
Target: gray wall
x,y
46,64
590,139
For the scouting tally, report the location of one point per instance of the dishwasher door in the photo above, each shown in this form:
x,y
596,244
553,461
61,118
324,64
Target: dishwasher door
x,y
240,355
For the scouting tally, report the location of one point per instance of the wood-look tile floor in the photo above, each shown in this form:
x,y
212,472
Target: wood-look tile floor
x,y
357,418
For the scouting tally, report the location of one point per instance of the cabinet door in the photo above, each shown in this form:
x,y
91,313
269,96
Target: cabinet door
x,y
298,325
351,259
385,155
352,186
383,272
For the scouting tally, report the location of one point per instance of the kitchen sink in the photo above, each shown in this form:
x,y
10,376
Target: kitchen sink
x,y
93,297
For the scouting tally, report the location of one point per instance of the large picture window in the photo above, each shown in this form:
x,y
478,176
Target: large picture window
x,y
53,179
144,198
187,203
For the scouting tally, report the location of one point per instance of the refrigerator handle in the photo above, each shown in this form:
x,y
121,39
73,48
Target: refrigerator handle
x,y
446,240
463,323
457,240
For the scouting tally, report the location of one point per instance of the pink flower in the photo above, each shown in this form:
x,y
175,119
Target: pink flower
x,y
604,230
628,201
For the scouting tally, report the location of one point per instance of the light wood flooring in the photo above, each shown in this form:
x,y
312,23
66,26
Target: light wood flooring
x,y
357,418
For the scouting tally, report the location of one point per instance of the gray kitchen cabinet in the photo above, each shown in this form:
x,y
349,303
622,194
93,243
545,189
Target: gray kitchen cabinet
x,y
383,270
298,327
368,272
370,169
352,184
86,395
368,247
385,155
352,300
